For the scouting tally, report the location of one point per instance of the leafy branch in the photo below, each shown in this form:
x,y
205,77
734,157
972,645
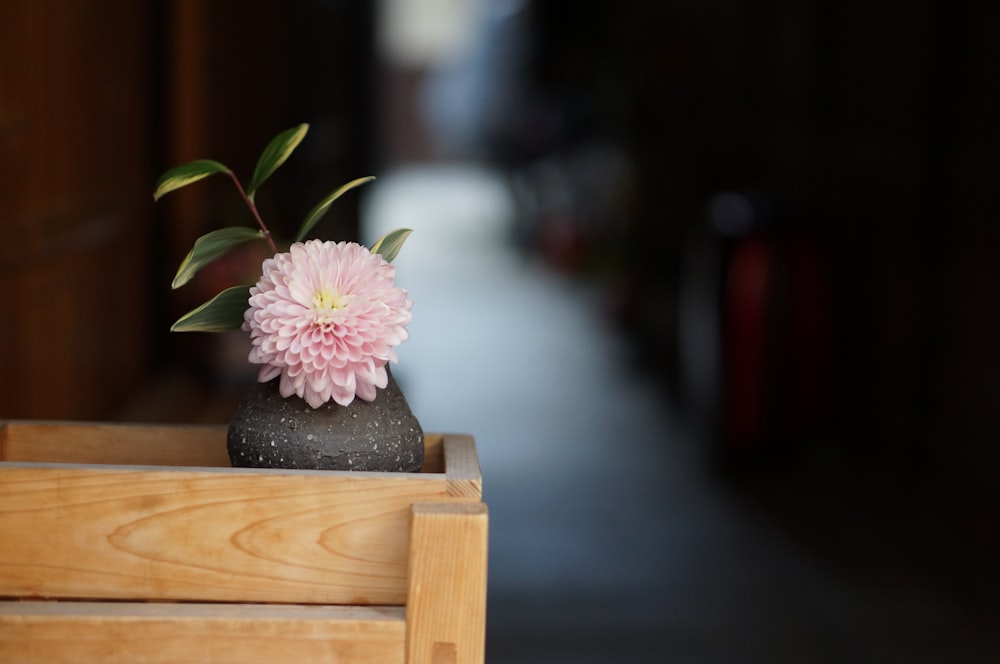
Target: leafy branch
x,y
225,310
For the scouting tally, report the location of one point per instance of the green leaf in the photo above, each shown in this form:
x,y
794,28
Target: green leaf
x,y
211,246
223,312
317,212
274,155
389,244
181,176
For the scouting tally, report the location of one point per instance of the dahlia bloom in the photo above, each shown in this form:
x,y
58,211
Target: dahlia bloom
x,y
326,316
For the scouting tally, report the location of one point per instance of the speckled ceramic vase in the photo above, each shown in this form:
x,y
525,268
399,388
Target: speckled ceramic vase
x,y
270,431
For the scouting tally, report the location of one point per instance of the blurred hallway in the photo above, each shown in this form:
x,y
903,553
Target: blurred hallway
x,y
610,541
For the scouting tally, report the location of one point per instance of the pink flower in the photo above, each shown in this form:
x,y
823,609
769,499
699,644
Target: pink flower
x,y
325,316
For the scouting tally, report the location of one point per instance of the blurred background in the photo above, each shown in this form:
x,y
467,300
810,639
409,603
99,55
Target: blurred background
x,y
714,284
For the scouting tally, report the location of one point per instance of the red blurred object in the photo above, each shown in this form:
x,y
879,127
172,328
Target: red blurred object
x,y
747,292
776,345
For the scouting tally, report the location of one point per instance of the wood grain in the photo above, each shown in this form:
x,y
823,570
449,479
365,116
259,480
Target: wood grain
x,y
446,604
361,567
90,632
77,216
173,445
215,534
84,442
204,536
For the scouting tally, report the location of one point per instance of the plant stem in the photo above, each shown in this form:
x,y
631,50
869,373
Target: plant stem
x,y
253,210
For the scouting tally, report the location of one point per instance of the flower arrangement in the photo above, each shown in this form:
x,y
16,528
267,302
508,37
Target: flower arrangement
x,y
324,316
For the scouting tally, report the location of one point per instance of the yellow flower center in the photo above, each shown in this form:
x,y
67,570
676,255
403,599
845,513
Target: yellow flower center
x,y
325,303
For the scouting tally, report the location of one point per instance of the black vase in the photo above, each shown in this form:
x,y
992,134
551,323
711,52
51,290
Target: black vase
x,y
271,431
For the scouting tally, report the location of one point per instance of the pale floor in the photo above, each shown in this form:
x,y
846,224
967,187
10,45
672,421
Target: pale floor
x,y
610,538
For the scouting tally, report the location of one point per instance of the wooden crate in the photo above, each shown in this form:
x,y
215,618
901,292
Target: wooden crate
x,y
123,543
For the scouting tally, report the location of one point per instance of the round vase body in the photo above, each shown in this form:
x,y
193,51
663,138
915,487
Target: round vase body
x,y
271,431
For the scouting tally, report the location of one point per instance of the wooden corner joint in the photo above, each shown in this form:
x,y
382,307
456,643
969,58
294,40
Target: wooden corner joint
x,y
458,488
444,653
446,601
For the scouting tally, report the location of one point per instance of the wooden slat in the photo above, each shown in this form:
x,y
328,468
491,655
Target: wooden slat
x,y
97,221
80,442
167,445
120,532
108,530
446,604
462,466
85,632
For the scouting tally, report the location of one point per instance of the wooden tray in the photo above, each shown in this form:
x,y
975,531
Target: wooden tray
x,y
140,543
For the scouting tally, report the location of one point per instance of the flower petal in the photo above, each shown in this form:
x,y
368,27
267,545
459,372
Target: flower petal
x,y
326,317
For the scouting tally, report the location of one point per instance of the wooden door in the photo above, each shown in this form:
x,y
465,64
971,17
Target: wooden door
x,y
74,204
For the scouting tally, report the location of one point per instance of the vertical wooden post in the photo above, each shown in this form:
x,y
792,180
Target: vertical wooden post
x,y
446,603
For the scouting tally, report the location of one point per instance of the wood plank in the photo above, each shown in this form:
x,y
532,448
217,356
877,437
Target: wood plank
x,y
210,534
96,221
446,604
462,469
168,445
85,632
85,442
